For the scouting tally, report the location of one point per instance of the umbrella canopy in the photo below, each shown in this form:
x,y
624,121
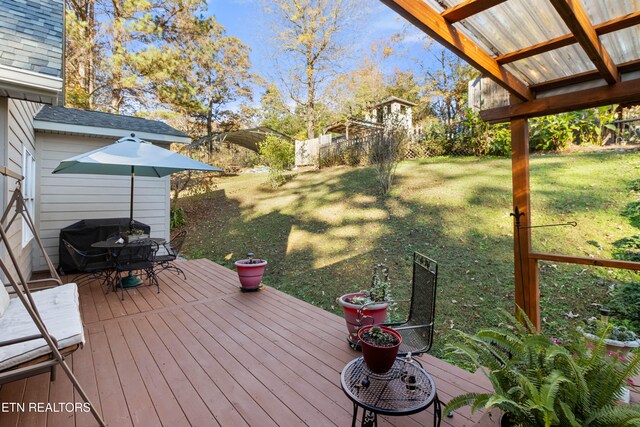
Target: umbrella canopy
x,y
131,156
118,159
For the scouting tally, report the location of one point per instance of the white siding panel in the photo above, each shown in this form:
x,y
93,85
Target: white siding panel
x,y
66,199
19,134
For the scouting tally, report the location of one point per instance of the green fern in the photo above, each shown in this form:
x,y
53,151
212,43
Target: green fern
x,y
540,383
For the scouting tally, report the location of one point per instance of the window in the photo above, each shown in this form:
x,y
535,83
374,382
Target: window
x,y
29,191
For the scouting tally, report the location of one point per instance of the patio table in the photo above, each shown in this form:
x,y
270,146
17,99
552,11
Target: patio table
x,y
114,247
404,390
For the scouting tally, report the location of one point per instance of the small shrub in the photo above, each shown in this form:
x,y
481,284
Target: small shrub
x,y
352,156
177,218
634,185
625,304
632,211
278,155
385,151
627,249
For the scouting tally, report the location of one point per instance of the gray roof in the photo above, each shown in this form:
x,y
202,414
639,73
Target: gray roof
x,y
247,138
31,35
74,116
391,99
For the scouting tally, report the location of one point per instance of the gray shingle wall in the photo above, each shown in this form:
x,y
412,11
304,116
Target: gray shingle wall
x,y
31,35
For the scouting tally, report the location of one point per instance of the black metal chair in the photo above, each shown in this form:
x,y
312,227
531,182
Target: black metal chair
x,y
134,256
172,248
417,329
91,264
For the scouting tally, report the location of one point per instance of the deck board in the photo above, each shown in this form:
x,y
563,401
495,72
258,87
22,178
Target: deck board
x,y
202,353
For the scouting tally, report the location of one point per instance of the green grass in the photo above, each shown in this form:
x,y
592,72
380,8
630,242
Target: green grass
x,y
323,230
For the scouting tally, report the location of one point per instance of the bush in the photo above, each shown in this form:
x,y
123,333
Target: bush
x,y
177,218
625,304
278,155
352,155
385,151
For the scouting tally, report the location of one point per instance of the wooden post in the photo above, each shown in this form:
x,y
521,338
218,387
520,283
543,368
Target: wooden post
x,y
527,288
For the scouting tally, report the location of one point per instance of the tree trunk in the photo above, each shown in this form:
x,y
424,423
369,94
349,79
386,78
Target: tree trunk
x,y
311,101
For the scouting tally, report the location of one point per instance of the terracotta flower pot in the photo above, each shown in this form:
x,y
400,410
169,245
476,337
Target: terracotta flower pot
x,y
376,314
250,272
379,359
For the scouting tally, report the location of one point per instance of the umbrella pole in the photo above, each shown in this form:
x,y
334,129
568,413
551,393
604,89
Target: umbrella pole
x,y
133,174
131,280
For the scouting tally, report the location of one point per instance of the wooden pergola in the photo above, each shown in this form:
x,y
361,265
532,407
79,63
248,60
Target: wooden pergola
x,y
551,57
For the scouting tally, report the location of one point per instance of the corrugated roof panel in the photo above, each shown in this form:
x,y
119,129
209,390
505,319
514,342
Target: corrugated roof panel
x,y
623,45
552,65
600,11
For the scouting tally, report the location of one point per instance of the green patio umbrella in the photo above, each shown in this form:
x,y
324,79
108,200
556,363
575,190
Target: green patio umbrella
x,y
131,156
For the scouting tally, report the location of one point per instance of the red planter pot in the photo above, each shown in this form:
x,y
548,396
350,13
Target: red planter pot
x,y
250,273
379,359
355,320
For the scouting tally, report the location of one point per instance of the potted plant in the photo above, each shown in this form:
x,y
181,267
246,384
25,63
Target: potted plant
x,y
367,307
539,382
379,347
618,339
133,235
250,272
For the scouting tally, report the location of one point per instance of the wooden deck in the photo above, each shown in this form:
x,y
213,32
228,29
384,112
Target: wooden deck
x,y
202,353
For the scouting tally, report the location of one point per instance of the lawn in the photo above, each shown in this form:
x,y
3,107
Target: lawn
x,y
323,230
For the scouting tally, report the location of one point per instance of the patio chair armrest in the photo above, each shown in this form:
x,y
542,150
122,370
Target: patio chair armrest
x,y
20,340
428,325
49,279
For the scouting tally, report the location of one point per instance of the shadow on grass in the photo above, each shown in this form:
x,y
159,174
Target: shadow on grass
x,y
322,232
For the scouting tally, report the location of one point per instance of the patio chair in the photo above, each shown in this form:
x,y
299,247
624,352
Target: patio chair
x,y
417,329
90,264
134,256
172,248
37,330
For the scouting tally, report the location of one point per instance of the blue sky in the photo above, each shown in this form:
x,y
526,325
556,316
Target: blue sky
x,y
246,20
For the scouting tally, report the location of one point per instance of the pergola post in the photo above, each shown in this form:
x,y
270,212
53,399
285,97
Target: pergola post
x,y
527,287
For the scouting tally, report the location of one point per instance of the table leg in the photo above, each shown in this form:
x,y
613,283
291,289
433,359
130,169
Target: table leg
x,y
355,415
369,419
437,412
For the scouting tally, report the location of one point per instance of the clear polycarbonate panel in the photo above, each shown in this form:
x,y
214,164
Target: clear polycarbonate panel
x,y
624,45
515,24
600,11
563,62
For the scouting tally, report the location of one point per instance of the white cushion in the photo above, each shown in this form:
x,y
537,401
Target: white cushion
x,y
4,299
59,308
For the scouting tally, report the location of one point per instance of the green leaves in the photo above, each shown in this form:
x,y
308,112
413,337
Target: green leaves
x,y
540,383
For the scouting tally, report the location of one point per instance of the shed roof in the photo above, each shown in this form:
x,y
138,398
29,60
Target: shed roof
x,y
31,35
542,48
247,138
74,119
392,99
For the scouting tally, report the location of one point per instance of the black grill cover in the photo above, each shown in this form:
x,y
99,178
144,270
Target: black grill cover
x,y
84,233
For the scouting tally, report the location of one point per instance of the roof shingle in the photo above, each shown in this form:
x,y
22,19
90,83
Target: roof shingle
x,y
31,35
74,116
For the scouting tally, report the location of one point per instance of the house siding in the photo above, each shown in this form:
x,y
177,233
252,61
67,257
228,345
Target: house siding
x,y
62,200
17,133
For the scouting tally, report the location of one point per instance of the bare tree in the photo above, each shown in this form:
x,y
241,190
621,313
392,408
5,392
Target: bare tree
x,y
386,149
310,35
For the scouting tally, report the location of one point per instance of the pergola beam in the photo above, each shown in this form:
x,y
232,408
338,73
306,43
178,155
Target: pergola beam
x,y
620,93
468,8
616,24
574,15
428,20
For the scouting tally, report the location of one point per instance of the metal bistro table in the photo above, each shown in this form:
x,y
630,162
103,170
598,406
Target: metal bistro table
x,y
114,247
404,390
